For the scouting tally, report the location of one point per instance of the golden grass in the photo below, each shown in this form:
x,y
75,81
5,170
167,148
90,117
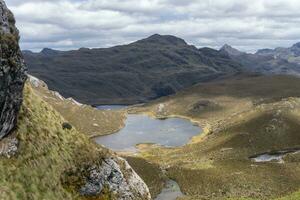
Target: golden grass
x,y
46,152
241,117
85,118
149,172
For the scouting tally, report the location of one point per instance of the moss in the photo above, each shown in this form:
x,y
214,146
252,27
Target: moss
x,y
9,45
293,196
105,195
11,18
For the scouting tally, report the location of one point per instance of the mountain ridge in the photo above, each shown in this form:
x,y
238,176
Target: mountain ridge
x,y
156,66
268,61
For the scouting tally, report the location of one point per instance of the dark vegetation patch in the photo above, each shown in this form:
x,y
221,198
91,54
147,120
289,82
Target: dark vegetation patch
x,y
128,74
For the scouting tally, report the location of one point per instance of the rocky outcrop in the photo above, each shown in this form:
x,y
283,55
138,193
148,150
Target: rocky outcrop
x,y
9,147
116,176
12,71
113,176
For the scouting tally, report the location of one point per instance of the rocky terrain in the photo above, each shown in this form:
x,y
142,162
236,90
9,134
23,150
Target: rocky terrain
x,y
137,72
268,61
51,159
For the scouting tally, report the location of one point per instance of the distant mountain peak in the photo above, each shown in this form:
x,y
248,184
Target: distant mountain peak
x,y
48,51
27,51
230,50
163,39
264,51
281,52
296,49
226,46
84,49
297,45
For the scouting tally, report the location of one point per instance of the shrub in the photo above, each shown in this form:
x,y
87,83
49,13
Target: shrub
x,y
67,126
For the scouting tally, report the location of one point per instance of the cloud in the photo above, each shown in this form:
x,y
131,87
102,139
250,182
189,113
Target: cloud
x,y
69,24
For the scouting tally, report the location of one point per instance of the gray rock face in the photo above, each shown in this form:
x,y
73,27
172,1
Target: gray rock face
x,y
12,71
9,147
119,178
230,50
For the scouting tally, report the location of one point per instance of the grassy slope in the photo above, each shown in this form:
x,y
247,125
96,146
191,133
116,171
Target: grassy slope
x,y
46,151
149,172
85,118
244,117
213,104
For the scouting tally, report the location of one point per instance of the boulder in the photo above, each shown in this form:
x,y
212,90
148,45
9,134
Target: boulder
x,y
115,175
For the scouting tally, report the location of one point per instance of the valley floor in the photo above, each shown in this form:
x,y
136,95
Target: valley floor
x,y
242,117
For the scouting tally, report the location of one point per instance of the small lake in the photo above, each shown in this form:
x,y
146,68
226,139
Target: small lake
x,y
274,156
111,107
269,158
140,129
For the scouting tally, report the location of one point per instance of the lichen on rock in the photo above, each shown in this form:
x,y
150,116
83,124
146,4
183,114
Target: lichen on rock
x,y
9,147
118,178
12,71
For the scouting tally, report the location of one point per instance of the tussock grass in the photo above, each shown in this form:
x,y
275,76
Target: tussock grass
x,y
150,173
46,153
85,118
242,117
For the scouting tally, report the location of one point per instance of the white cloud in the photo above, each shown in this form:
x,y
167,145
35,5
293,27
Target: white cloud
x,y
67,24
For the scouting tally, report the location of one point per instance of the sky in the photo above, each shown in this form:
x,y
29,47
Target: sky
x,y
70,24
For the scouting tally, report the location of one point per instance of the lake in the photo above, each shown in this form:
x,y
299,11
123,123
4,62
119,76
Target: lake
x,y
111,107
276,156
141,129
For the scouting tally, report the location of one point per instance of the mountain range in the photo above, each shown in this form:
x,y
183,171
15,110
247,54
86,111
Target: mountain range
x,y
150,68
268,61
128,74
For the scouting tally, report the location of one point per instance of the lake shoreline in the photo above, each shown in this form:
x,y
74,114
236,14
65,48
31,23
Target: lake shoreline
x,y
176,120
140,128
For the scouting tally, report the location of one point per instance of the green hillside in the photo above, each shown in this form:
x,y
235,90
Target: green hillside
x,y
242,117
